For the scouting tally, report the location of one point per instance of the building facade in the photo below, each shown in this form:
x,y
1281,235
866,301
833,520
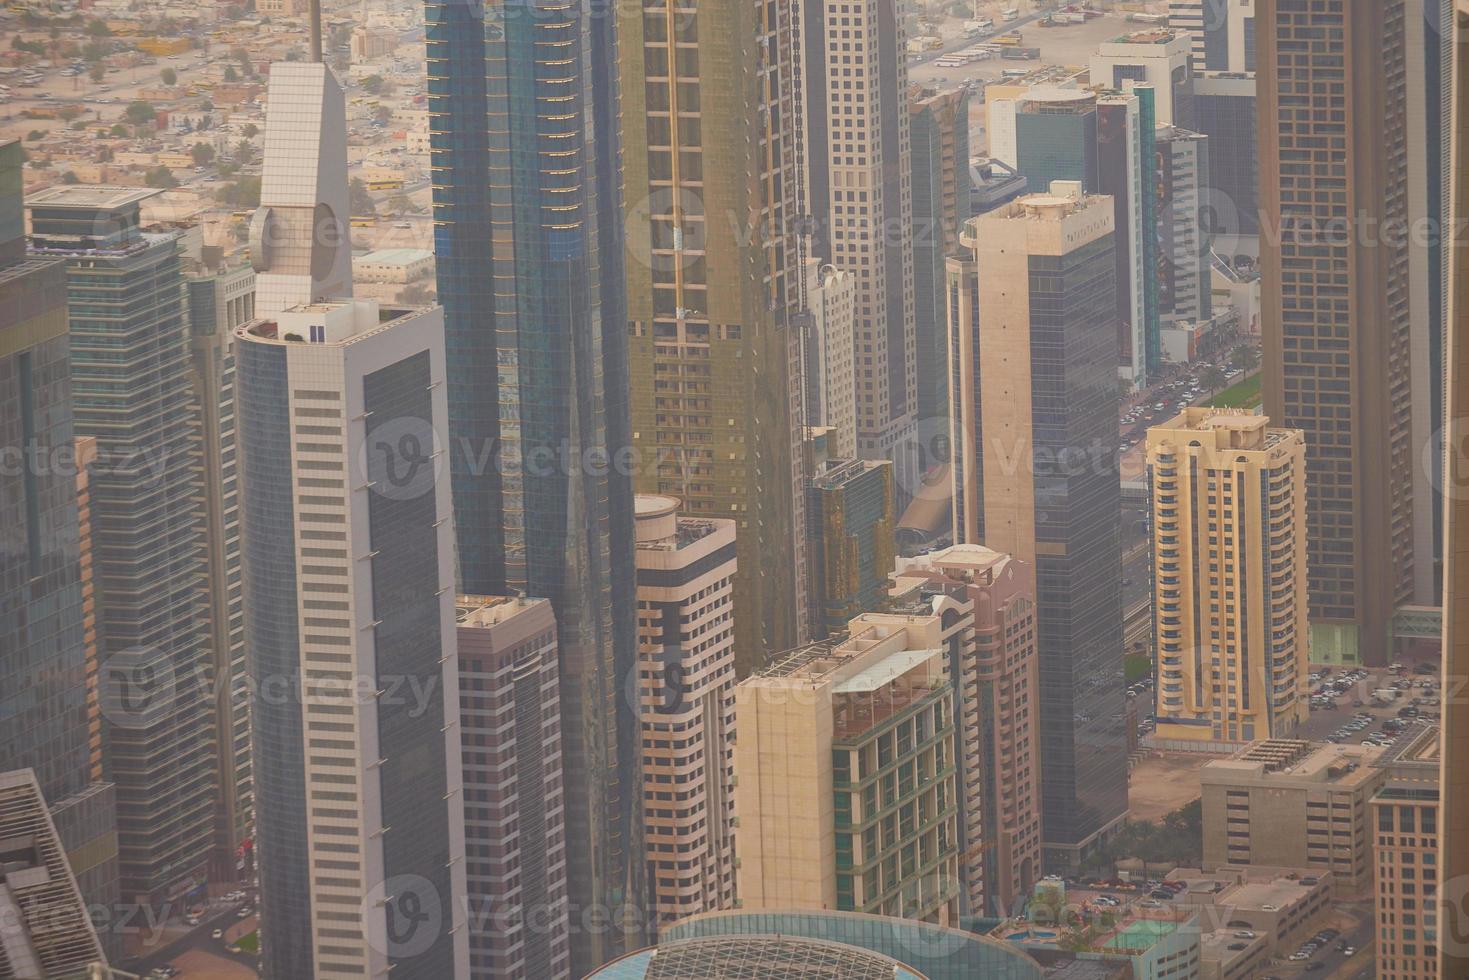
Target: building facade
x,y
938,127
1159,57
1405,828
1228,499
986,605
125,291
713,281
1125,172
855,80
221,298
1037,287
831,354
349,589
686,677
527,217
1337,352
514,790
845,792
1184,268
850,505
1284,803
1224,111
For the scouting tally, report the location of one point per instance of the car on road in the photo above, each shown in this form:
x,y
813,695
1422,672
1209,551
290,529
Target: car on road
x,y
217,934
244,913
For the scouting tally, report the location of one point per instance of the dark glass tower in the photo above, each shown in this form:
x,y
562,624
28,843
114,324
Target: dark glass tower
x,y
130,387
523,103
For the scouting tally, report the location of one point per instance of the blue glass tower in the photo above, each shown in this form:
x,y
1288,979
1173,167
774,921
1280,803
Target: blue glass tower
x,y
523,110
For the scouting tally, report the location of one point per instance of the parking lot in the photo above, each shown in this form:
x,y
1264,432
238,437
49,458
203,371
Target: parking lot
x,y
1347,708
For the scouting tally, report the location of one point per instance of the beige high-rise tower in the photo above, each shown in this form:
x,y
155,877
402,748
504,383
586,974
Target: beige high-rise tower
x,y
686,679
713,280
1229,576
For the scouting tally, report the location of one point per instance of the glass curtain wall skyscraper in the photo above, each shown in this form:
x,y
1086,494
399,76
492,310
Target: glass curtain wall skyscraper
x,y
523,113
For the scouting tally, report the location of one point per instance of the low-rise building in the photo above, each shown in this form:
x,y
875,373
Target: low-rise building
x,y
1281,905
395,265
1286,803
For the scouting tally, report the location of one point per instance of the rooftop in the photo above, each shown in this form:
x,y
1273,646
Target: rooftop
x,y
489,610
1155,36
90,197
1292,759
395,256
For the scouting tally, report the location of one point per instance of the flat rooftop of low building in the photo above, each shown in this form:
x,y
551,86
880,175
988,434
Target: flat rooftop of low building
x,y
1154,36
395,256
1278,894
90,196
489,610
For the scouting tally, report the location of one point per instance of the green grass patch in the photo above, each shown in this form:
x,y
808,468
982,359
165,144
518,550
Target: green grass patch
x,y
1136,666
1245,394
250,942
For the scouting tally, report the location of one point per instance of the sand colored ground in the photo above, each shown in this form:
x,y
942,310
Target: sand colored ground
x,y
1162,783
201,963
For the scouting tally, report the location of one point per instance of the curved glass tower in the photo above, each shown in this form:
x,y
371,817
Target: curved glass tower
x,y
523,110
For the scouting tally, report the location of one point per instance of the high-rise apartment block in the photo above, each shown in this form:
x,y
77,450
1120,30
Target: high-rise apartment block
x,y
1184,267
221,297
349,584
855,78
528,244
850,508
1032,316
1159,57
845,790
985,602
1126,170
514,793
713,282
125,292
1404,824
1284,803
51,724
939,139
831,354
686,676
1228,498
1335,315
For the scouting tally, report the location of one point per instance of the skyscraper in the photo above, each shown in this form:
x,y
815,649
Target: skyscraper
x,y
220,298
1453,859
1125,170
1404,822
1184,268
845,790
1032,313
939,129
350,627
1228,495
514,788
1221,32
1335,315
831,353
528,238
855,78
1160,58
48,695
713,280
851,512
125,292
1225,111
686,678
986,604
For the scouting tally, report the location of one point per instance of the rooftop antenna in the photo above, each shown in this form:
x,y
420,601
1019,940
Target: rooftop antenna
x,y
316,31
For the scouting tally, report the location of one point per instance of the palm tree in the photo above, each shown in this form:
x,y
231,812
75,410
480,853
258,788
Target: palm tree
x,y
1244,358
1213,378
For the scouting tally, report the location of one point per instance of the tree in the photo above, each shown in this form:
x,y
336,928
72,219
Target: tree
x,y
70,178
360,198
160,177
96,72
97,28
1213,378
36,134
251,131
373,84
68,112
1244,358
230,75
169,76
139,112
243,57
202,153
243,193
415,294
245,153
118,130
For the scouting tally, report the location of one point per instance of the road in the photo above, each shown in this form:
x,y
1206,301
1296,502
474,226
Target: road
x,y
199,938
